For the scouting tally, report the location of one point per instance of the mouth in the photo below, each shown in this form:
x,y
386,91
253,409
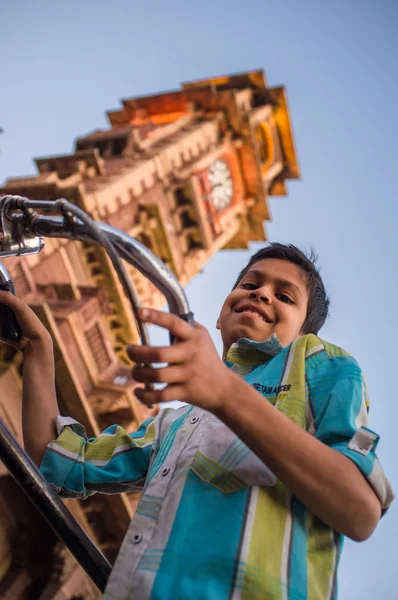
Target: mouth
x,y
255,311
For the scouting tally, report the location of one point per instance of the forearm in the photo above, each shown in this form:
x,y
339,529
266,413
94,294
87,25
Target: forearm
x,y
39,403
327,483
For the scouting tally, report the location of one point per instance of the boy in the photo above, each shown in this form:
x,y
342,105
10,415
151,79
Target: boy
x,y
250,488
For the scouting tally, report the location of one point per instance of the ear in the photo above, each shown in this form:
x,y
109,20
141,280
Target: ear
x,y
218,323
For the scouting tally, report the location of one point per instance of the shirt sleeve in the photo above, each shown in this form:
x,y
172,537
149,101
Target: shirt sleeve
x,y
338,407
114,462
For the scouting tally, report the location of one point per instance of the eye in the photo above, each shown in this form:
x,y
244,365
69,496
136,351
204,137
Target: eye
x,y
284,298
249,286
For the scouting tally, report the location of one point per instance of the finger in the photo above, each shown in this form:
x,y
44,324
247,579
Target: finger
x,y
29,323
177,353
167,394
19,307
178,327
6,300
171,374
9,299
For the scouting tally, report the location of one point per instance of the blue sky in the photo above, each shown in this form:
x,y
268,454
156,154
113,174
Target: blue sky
x,y
65,64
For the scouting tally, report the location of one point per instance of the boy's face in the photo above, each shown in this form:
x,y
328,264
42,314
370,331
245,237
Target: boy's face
x,y
272,297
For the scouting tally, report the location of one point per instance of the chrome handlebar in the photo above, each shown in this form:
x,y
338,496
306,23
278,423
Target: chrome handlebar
x,y
23,230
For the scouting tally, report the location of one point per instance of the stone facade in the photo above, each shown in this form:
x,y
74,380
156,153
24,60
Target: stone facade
x,y
187,173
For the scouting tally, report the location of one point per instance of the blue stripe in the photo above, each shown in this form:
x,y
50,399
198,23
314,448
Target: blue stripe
x,y
364,463
129,466
148,499
204,514
240,458
335,408
144,513
234,455
56,469
112,430
166,445
230,450
298,552
149,506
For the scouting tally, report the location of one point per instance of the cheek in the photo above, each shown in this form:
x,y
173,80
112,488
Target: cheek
x,y
224,317
300,321
225,314
221,318
292,316
228,304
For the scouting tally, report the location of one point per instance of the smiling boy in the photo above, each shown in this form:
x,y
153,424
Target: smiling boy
x,y
250,488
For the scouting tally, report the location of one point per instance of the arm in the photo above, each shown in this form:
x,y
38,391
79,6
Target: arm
x,y
39,404
328,483
75,465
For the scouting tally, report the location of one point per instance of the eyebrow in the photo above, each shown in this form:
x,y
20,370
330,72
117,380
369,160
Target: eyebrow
x,y
283,282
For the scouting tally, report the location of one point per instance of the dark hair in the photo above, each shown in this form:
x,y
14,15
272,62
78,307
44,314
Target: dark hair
x,y
318,302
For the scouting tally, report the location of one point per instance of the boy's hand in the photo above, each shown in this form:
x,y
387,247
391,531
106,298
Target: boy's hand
x,y
32,329
194,373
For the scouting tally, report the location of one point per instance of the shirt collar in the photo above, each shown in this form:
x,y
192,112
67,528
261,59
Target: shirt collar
x,y
247,352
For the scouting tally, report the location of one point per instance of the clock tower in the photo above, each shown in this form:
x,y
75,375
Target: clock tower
x,y
187,173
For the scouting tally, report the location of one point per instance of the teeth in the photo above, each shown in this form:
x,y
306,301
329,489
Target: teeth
x,y
255,313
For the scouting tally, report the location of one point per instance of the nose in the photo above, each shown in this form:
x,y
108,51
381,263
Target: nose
x,y
261,295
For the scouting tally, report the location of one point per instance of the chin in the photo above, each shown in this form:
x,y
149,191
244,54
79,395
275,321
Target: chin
x,y
252,334
260,338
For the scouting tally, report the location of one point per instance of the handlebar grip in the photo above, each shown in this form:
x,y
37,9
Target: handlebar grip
x,y
9,324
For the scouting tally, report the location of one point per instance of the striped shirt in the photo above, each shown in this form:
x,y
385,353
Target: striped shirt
x,y
213,521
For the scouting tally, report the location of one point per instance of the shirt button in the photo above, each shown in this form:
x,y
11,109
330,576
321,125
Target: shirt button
x,y
137,538
165,471
194,420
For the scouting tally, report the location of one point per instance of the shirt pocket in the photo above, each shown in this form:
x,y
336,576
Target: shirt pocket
x,y
224,461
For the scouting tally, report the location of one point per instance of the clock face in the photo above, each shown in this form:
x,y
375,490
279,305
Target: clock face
x,y
222,187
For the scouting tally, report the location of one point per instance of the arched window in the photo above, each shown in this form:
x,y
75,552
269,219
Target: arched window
x,y
264,144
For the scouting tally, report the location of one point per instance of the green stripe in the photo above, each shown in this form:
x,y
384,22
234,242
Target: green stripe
x,y
166,444
217,476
